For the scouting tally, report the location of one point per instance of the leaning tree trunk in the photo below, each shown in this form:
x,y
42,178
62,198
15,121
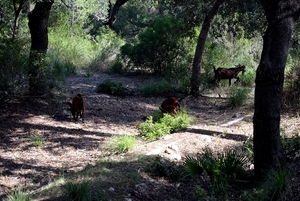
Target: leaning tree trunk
x,y
268,150
112,13
38,26
195,79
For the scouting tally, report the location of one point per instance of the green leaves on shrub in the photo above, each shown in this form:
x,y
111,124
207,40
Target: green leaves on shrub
x,y
162,47
222,168
114,88
152,129
237,96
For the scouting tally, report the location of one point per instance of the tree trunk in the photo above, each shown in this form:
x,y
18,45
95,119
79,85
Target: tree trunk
x,y
113,13
17,11
268,150
38,26
195,79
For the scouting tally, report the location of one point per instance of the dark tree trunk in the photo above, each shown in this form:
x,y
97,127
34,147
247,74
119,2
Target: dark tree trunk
x,y
195,79
268,150
114,12
38,26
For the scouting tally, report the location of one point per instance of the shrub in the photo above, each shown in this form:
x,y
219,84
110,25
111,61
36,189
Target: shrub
x,y
237,96
248,78
275,183
154,129
110,87
77,191
162,87
13,67
291,146
161,48
222,168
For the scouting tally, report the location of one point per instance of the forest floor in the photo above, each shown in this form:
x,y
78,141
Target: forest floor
x,y
74,148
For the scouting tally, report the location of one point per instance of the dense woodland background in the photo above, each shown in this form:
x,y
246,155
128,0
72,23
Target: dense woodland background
x,y
45,41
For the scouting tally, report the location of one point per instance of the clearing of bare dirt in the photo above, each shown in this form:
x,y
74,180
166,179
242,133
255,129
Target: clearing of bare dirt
x,y
70,147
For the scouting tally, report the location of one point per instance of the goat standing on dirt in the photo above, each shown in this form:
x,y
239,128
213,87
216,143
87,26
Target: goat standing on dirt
x,y
170,105
228,73
77,107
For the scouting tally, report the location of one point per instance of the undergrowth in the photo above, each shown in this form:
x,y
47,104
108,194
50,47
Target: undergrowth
x,y
155,127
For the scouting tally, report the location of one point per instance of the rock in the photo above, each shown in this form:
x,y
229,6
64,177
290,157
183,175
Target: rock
x,y
142,187
167,137
173,147
206,138
176,157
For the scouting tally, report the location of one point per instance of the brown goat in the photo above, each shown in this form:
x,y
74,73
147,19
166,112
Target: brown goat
x,y
228,73
77,107
170,105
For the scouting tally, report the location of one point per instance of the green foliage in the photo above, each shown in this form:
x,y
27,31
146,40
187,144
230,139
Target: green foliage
x,y
223,52
248,78
152,130
291,146
37,139
83,191
273,186
222,168
291,92
77,191
237,96
161,48
159,88
111,87
13,67
193,166
106,56
165,87
122,144
117,67
19,195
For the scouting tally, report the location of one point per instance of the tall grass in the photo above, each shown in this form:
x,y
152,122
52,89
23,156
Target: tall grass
x,y
121,144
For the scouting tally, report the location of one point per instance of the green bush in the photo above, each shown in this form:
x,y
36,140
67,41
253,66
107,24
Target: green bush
x,y
291,146
162,48
165,87
159,88
154,129
248,78
111,87
237,96
222,168
13,67
78,191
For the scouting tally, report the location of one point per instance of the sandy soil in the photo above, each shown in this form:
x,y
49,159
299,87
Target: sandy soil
x,y
69,146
